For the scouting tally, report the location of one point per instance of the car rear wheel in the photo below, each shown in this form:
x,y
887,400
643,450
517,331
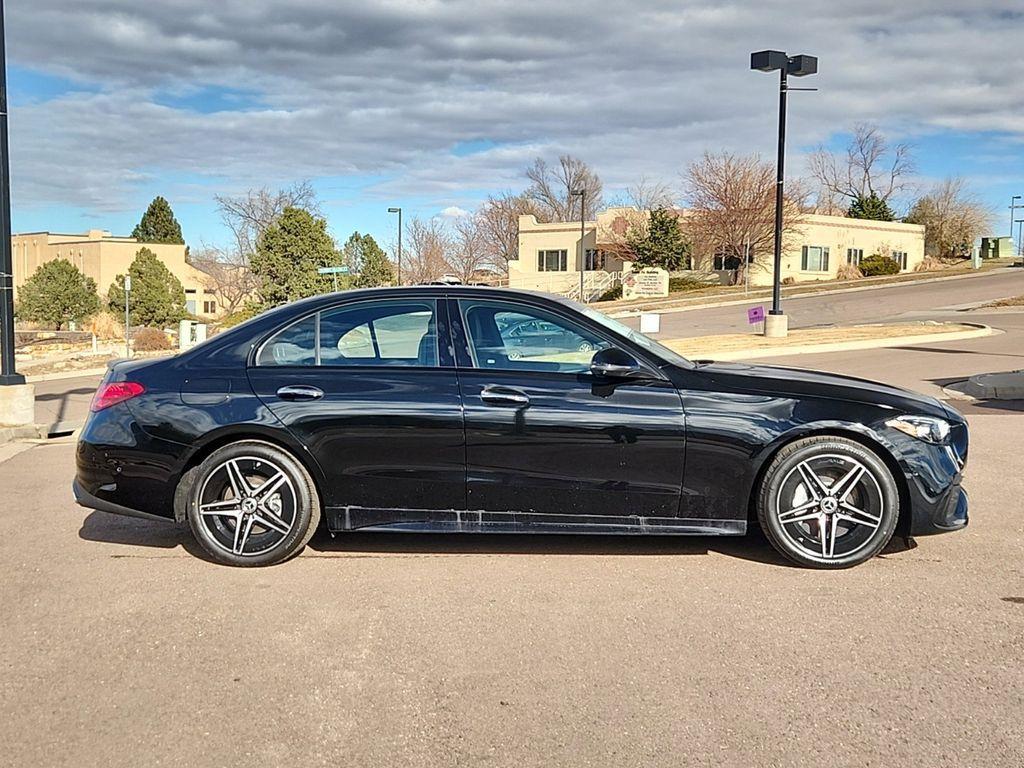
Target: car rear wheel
x,y
251,503
828,502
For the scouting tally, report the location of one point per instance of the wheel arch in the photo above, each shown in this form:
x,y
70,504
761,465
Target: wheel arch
x,y
866,439
219,440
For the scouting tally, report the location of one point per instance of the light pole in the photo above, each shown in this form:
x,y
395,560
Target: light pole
x,y
1020,242
1013,207
399,212
127,316
798,66
582,195
8,375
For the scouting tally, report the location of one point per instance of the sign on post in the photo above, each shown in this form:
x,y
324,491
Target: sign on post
x,y
649,282
755,315
650,322
334,271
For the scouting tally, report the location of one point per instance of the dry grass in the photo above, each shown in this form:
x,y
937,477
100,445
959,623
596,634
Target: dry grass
x,y
703,346
1015,301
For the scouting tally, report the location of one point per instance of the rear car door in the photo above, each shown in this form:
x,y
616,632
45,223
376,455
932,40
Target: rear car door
x,y
543,435
370,388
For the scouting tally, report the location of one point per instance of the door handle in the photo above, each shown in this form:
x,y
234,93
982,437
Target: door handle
x,y
494,395
300,392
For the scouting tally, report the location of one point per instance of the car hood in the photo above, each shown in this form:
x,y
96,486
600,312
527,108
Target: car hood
x,y
802,382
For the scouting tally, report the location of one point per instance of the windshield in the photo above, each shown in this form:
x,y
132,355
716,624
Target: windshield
x,y
660,350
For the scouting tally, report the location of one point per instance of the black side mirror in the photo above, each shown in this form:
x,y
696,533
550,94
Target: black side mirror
x,y
613,363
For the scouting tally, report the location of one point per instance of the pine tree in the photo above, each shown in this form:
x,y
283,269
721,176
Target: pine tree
x,y
871,207
288,256
157,298
661,243
57,293
372,263
158,224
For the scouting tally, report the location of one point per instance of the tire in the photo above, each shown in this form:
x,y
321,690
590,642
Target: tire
x,y
586,346
237,524
828,502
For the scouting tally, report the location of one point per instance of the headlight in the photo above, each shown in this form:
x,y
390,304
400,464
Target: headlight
x,y
926,428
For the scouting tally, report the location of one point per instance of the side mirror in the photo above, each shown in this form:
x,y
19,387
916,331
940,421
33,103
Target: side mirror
x,y
613,363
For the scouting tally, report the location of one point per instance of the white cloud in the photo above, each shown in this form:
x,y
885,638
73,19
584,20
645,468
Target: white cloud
x,y
454,212
389,88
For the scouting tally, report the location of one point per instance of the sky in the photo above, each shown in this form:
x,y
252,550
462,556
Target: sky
x,y
433,104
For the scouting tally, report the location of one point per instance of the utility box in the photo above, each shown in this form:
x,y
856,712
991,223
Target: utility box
x,y
998,248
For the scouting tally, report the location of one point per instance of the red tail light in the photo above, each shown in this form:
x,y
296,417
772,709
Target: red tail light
x,y
117,392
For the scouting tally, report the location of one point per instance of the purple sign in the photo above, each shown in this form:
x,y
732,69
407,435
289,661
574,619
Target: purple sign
x,y
755,315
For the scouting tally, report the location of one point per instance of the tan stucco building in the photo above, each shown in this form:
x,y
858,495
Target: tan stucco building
x,y
549,254
103,257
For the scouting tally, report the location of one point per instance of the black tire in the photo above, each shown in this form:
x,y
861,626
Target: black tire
x,y
819,510
271,527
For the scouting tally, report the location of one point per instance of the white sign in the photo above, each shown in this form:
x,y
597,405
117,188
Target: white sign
x,y
650,322
127,282
646,283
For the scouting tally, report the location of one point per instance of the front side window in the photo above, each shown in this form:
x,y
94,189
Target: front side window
x,y
901,258
392,333
595,259
552,261
516,337
814,259
854,256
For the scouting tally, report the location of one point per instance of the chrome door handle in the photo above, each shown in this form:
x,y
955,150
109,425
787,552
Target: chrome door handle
x,y
494,395
300,392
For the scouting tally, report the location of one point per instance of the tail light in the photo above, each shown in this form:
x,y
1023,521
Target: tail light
x,y
115,392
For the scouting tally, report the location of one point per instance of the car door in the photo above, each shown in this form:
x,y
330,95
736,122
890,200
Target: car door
x,y
544,435
370,388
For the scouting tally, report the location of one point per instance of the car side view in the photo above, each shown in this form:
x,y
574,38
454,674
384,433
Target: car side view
x,y
472,409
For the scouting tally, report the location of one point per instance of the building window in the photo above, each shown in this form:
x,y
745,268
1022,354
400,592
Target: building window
x,y
854,256
209,307
552,261
728,261
594,259
900,257
814,258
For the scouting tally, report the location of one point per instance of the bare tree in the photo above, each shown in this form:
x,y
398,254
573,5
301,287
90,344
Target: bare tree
x,y
648,195
871,166
227,276
468,254
731,204
426,257
251,214
953,217
499,224
551,189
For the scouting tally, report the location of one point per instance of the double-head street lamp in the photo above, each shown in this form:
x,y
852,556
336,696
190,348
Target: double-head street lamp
x,y
1013,206
399,212
797,66
582,195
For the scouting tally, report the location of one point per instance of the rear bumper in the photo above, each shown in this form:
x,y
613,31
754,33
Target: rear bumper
x,y
85,499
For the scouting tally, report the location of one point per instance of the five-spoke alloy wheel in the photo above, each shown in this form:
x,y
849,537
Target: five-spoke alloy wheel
x,y
828,502
251,503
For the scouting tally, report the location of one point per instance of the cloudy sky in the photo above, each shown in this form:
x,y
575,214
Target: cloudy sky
x,y
431,104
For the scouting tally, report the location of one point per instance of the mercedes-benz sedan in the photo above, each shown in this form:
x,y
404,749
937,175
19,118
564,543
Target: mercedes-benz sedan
x,y
414,409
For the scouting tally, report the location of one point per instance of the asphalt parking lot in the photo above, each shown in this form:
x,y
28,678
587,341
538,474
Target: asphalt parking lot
x,y
123,647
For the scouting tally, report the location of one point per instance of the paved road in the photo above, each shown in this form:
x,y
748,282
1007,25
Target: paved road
x,y
123,648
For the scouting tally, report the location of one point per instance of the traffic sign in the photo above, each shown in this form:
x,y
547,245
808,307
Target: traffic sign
x,y
333,270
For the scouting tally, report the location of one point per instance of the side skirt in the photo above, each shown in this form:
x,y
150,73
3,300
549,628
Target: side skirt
x,y
455,521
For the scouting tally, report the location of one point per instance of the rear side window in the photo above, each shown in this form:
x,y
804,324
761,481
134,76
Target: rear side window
x,y
392,333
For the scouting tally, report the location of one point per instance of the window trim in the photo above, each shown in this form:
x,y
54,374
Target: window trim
x,y
444,361
823,262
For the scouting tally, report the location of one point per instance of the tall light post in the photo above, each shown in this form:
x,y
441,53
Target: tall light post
x,y
582,195
399,212
797,66
1020,241
1013,207
8,375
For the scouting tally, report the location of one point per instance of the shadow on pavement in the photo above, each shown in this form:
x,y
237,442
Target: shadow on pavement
x,y
135,532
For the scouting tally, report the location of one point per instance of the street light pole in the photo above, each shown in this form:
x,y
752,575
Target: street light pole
x,y
1020,241
582,194
1013,207
798,66
399,212
8,375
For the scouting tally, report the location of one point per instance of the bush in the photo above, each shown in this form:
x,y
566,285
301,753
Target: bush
x,y
612,294
877,264
848,272
929,264
685,283
105,325
789,280
150,340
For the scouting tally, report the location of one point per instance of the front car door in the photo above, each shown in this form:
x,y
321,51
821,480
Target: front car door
x,y
545,436
369,387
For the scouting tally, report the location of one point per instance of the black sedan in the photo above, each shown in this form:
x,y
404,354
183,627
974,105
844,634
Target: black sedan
x,y
406,409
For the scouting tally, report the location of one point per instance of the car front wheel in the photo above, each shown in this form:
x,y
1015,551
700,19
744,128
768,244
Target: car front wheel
x,y
828,502
251,503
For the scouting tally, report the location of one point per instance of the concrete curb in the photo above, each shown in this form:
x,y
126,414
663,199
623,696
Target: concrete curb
x,y
1008,385
847,346
622,312
27,432
66,375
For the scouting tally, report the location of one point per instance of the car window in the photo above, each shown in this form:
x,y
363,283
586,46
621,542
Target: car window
x,y
295,345
400,333
380,333
517,337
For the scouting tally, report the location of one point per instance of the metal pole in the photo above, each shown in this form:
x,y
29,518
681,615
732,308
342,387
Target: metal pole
x,y
583,253
399,246
127,319
1013,207
1020,243
746,263
779,177
8,374
335,275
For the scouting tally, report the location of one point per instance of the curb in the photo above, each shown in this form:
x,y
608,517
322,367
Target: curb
x,y
630,312
979,331
26,432
42,377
